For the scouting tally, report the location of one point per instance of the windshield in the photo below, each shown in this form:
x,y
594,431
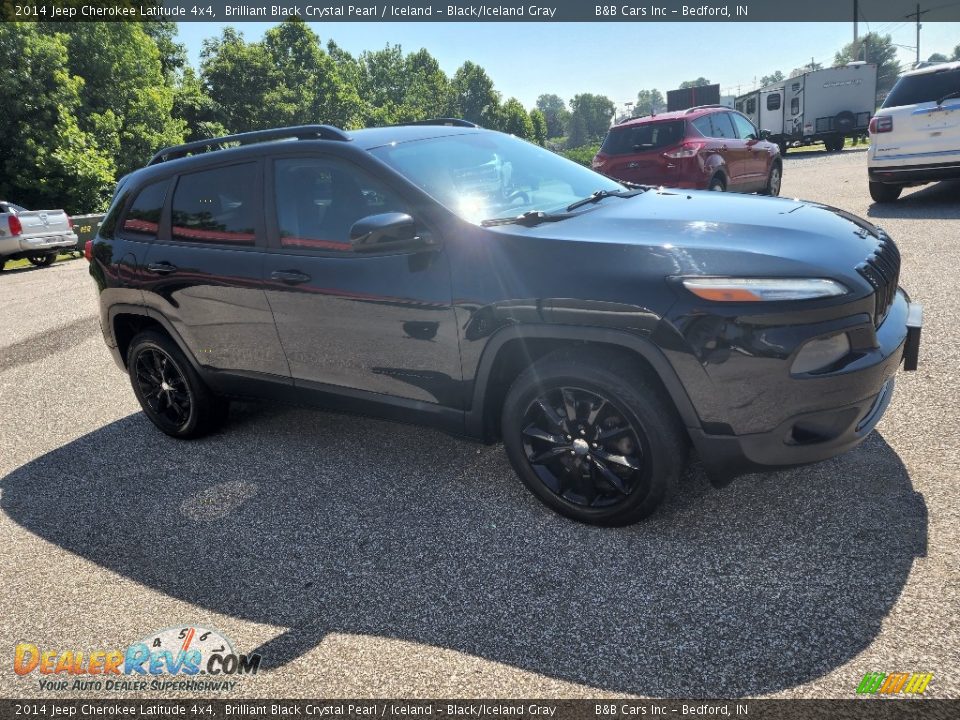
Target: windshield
x,y
640,138
485,176
923,88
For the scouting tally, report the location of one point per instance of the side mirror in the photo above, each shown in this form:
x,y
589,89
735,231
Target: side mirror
x,y
385,232
764,134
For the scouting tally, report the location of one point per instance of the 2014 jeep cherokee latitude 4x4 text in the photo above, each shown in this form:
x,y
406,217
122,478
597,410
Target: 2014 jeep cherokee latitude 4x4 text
x,y
458,277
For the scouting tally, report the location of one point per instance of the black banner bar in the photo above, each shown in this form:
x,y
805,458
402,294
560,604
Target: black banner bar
x,y
473,11
867,709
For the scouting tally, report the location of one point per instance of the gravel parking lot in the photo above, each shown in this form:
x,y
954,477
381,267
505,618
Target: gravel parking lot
x,y
369,559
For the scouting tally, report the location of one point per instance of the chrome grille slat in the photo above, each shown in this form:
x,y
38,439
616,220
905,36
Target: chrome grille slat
x,y
882,271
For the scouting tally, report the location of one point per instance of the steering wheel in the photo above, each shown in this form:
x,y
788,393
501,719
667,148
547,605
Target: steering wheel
x,y
519,194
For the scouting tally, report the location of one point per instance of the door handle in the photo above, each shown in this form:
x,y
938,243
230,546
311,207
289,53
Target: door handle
x,y
161,268
290,277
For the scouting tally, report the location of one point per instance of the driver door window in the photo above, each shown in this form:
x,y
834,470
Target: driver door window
x,y
318,201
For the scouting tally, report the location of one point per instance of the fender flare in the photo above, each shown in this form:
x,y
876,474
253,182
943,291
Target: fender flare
x,y
143,311
625,340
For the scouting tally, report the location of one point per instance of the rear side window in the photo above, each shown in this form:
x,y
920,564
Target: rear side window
x,y
216,206
928,87
640,138
319,200
773,101
722,126
143,217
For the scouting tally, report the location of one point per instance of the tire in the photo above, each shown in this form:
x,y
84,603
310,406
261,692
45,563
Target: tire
x,y
774,180
884,193
592,437
42,260
3,262
845,121
169,390
717,183
834,144
783,148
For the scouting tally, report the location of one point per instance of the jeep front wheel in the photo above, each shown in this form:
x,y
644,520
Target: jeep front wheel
x,y
592,437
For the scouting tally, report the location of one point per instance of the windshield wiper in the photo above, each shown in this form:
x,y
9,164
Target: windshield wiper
x,y
600,195
955,93
528,219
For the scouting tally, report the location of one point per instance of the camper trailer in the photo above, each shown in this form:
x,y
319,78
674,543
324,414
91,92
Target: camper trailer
x,y
826,106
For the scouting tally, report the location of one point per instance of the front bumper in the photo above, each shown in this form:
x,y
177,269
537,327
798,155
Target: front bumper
x,y
809,437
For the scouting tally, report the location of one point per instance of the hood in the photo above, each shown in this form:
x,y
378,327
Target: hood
x,y
725,232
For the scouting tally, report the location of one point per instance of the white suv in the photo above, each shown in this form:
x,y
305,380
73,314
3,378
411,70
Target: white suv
x,y
915,135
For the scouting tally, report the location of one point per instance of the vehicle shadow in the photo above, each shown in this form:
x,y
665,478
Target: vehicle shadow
x,y
325,523
936,201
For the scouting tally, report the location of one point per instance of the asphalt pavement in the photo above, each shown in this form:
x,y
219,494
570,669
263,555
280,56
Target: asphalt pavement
x,y
363,558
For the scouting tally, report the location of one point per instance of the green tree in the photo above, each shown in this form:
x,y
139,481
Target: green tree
x,y
873,48
648,102
473,97
46,159
238,76
126,100
428,91
555,112
590,117
699,82
772,78
515,119
811,66
196,108
538,123
956,53
938,58
173,55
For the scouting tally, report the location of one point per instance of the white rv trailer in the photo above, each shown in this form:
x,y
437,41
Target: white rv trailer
x,y
823,105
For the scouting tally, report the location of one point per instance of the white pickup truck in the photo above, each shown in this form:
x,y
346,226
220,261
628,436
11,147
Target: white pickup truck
x,y
37,235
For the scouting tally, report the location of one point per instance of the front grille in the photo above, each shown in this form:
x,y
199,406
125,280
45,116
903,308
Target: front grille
x,y
882,270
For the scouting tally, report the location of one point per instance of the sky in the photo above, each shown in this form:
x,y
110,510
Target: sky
x,y
526,60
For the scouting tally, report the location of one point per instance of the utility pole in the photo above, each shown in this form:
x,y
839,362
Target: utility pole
x,y
918,14
856,14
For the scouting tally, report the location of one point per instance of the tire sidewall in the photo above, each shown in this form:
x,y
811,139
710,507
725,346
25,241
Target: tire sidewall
x,y
187,428
644,420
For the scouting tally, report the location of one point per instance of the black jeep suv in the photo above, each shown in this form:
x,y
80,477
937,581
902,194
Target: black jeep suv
x,y
444,274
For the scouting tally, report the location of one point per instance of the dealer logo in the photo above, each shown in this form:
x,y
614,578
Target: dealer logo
x,y
181,652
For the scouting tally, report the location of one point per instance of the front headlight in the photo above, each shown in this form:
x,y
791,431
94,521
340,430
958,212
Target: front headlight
x,y
762,289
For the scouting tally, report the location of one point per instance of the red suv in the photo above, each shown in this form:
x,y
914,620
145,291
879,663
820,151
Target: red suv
x,y
703,148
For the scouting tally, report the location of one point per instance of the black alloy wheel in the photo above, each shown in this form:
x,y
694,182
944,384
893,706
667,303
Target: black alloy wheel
x,y
163,388
170,391
583,447
592,436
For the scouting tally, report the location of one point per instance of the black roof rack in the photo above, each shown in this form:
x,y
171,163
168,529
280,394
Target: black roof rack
x,y
450,122
300,132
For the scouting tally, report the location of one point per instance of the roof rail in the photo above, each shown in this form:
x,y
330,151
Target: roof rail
x,y
703,107
300,132
451,122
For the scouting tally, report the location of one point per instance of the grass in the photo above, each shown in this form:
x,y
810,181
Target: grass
x,y
17,264
818,147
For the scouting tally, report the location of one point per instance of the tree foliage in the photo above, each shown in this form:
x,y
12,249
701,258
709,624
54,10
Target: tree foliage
x,y
648,103
699,82
873,48
590,117
555,112
772,78
47,159
538,125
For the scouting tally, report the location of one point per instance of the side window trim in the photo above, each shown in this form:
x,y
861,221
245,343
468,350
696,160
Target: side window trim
x,y
128,203
166,221
272,223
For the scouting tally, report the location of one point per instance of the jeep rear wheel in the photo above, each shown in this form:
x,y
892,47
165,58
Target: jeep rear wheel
x,y
592,437
169,390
